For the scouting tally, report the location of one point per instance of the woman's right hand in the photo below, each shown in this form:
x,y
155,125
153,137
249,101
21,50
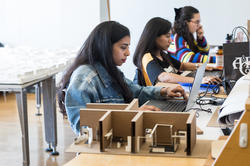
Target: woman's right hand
x,y
176,91
211,80
209,68
200,32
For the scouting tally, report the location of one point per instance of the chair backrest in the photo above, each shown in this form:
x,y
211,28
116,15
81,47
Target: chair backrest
x,y
139,79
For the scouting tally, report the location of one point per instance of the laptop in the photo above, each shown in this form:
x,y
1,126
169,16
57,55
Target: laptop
x,y
175,105
217,73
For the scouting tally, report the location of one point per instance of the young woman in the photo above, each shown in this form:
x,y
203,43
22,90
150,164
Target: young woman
x,y
95,78
185,47
157,65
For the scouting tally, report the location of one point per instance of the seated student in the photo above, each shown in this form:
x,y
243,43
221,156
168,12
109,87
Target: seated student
x,y
95,78
184,46
153,64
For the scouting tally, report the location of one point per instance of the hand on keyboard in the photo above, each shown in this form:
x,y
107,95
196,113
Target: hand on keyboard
x,y
177,91
209,68
211,80
212,68
179,98
149,108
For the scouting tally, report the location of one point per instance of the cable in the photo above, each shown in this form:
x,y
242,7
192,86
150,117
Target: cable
x,y
236,28
199,109
243,29
196,109
201,102
215,90
212,99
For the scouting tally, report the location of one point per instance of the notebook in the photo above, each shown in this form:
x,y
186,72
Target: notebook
x,y
176,105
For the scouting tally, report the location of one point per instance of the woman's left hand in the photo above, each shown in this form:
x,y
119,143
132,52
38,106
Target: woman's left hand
x,y
149,108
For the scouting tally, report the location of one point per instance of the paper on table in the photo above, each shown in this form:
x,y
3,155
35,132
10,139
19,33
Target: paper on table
x,y
235,102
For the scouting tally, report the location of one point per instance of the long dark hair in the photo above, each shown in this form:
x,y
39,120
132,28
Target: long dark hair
x,y
98,48
147,44
182,16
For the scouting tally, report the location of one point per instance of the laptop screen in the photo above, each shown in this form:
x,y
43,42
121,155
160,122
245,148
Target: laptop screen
x,y
196,86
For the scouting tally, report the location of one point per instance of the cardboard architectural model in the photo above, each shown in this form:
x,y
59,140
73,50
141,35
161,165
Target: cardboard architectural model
x,y
122,129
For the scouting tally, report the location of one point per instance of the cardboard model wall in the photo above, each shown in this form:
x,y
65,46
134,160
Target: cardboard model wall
x,y
126,123
180,121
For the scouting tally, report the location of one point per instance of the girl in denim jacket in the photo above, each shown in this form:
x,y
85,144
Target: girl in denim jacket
x,y
95,78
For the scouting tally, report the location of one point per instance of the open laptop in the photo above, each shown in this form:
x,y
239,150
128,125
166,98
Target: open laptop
x,y
217,73
175,105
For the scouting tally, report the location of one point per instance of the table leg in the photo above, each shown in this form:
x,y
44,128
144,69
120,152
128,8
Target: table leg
x,y
4,96
21,98
38,98
50,122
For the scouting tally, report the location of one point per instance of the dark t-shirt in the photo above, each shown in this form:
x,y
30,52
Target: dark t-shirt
x,y
154,66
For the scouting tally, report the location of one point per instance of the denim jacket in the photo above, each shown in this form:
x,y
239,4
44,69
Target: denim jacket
x,y
93,84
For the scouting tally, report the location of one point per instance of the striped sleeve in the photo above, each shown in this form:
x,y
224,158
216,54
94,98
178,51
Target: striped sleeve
x,y
150,69
203,46
181,51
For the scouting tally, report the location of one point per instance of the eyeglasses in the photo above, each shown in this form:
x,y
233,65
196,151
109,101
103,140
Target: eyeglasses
x,y
196,22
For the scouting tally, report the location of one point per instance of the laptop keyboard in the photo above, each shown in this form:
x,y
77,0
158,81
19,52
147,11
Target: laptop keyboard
x,y
213,73
175,106
169,105
207,73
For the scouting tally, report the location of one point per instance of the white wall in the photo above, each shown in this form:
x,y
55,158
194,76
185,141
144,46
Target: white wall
x,y
218,18
67,23
47,23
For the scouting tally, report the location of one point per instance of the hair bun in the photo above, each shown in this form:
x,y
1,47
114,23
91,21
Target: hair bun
x,y
177,13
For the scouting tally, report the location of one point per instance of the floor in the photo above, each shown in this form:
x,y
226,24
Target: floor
x,y
10,135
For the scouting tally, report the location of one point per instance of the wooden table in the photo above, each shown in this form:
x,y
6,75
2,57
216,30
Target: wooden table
x,y
125,160
210,160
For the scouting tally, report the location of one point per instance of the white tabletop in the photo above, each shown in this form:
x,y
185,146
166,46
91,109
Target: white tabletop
x,y
209,133
20,65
